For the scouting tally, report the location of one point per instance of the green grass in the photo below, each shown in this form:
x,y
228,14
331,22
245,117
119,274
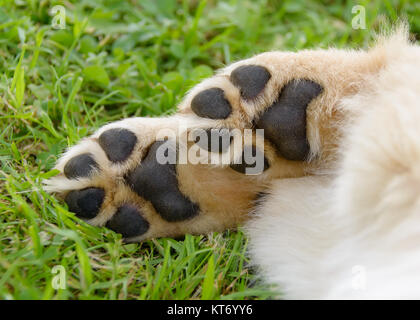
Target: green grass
x,y
118,59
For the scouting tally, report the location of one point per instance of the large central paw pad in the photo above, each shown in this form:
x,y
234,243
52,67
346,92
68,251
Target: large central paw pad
x,y
284,122
158,184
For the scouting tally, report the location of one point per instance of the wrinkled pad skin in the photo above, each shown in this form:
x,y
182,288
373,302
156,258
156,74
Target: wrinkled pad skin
x,y
117,143
284,122
212,104
80,166
158,184
128,221
85,203
250,79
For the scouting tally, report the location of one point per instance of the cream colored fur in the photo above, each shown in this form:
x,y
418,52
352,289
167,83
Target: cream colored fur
x,y
354,233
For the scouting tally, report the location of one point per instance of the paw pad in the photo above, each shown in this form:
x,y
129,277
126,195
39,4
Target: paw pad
x,y
158,184
80,166
284,122
128,221
117,143
85,203
250,79
211,103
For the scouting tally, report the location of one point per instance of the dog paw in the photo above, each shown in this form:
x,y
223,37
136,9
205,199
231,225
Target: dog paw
x,y
253,95
293,97
201,170
130,177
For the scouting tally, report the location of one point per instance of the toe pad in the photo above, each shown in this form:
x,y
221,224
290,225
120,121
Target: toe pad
x,y
212,104
85,203
250,79
80,166
117,143
128,221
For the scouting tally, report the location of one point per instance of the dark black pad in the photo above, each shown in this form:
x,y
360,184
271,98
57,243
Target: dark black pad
x,y
85,203
211,103
246,163
80,166
284,122
250,79
128,221
117,143
158,184
213,140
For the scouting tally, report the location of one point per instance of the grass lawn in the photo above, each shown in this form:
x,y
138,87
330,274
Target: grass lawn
x,y
118,59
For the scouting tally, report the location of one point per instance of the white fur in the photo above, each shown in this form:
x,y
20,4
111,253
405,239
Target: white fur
x,y
354,234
